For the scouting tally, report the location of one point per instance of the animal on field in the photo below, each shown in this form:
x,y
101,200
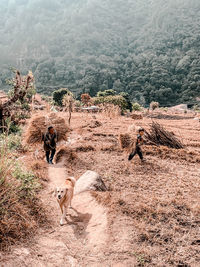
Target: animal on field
x,y
64,196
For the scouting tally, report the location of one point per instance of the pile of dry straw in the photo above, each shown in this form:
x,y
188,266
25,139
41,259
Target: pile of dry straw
x,y
39,124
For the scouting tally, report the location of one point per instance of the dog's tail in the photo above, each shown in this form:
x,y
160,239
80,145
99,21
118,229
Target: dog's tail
x,y
72,179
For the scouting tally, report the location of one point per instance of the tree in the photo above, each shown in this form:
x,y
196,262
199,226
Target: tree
x,y
128,101
68,102
136,107
21,85
106,93
85,99
59,94
116,100
145,58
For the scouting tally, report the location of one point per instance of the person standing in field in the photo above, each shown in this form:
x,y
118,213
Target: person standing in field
x,y
50,140
139,142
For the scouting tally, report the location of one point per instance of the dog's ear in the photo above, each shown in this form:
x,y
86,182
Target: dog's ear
x,y
54,192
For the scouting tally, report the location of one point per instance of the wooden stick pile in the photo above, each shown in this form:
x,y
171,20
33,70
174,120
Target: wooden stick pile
x,y
160,136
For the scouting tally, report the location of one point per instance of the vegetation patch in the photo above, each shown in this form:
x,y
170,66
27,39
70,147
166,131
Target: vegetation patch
x,y
21,212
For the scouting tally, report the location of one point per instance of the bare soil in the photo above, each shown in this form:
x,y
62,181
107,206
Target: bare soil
x,y
150,215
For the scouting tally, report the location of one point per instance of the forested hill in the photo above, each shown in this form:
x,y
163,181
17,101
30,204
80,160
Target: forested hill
x,y
148,48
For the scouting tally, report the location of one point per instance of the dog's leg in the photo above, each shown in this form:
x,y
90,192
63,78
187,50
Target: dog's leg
x,y
70,204
70,201
63,216
61,207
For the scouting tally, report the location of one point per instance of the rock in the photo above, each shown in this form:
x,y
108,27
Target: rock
x,y
89,181
197,119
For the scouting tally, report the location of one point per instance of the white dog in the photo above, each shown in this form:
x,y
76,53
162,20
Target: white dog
x,y
64,196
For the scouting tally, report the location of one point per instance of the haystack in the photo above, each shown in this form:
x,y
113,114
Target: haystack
x,y
65,153
135,116
126,141
39,124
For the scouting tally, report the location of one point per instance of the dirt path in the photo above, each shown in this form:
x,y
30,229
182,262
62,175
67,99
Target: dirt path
x,y
79,242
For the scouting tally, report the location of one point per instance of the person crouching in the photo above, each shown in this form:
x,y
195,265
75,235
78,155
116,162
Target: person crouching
x,y
50,139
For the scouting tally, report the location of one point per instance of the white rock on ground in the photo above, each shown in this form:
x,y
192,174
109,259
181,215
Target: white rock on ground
x,y
90,180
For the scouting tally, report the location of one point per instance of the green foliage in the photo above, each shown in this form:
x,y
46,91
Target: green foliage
x,y
116,100
59,94
28,182
128,100
77,103
136,107
25,106
150,50
106,93
31,92
13,141
12,127
109,96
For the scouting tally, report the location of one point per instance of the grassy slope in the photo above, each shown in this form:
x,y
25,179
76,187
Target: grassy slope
x,y
21,210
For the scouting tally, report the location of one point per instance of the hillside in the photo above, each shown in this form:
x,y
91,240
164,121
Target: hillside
x,y
149,49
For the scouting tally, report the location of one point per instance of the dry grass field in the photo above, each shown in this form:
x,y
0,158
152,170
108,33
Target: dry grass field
x,y
153,208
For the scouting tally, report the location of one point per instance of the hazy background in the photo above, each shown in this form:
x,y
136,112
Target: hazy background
x,y
148,48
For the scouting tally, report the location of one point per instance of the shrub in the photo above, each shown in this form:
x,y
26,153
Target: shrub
x,y
77,104
59,94
25,106
28,182
14,128
19,203
116,100
136,107
109,92
85,99
13,141
196,108
128,101
154,105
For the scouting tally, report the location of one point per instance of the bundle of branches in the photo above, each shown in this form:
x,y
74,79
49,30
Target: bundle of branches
x,y
158,135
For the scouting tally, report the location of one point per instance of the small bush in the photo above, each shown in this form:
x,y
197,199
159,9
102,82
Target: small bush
x,y
25,106
28,182
85,99
13,142
14,128
136,107
59,94
154,105
21,212
77,104
116,100
196,108
109,92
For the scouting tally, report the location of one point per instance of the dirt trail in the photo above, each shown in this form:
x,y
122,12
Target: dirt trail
x,y
79,242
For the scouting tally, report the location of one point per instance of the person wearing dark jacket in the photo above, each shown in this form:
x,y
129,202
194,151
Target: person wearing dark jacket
x,y
50,139
139,143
